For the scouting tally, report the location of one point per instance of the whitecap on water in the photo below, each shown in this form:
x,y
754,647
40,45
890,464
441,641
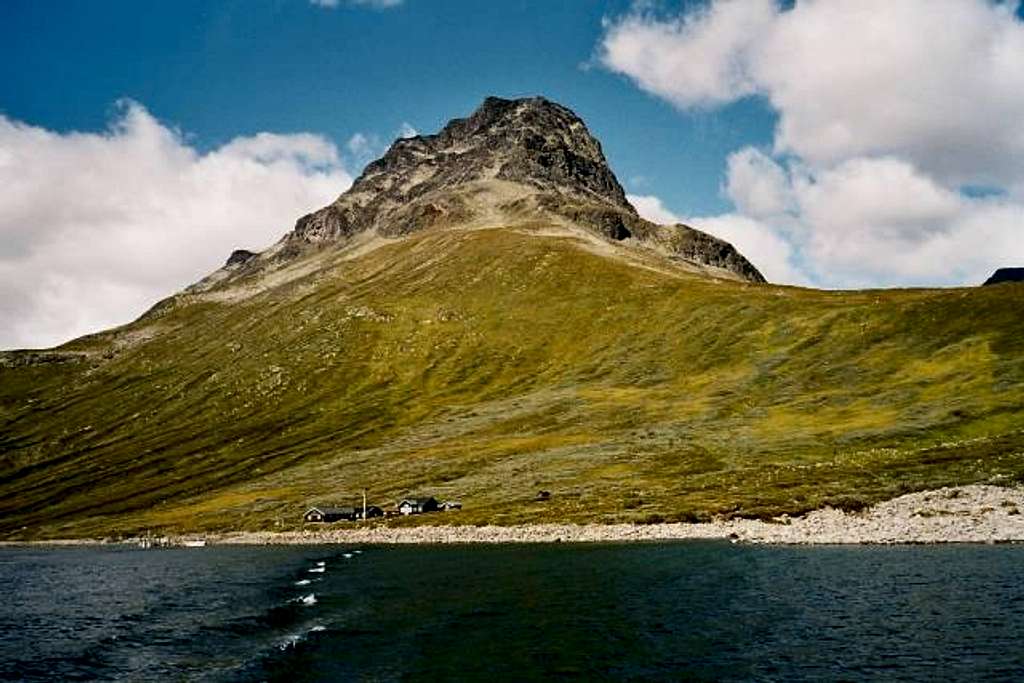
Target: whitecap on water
x,y
302,582
306,599
321,563
347,556
316,570
293,639
290,640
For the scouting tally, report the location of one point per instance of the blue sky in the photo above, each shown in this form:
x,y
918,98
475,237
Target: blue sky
x,y
220,70
836,143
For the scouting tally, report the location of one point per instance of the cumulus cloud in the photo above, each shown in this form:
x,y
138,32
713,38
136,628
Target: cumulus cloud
x,y
769,252
407,131
756,183
96,227
652,208
870,221
375,4
885,111
697,58
363,148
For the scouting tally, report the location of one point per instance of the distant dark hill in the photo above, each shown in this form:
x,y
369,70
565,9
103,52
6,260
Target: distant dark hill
x,y
483,316
1006,275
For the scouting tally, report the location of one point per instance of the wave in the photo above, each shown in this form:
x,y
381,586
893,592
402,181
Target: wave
x,y
293,640
317,570
307,600
302,582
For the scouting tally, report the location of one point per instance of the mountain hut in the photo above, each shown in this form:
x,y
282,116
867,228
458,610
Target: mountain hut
x,y
415,506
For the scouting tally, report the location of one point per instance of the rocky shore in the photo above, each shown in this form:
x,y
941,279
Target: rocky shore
x,y
964,514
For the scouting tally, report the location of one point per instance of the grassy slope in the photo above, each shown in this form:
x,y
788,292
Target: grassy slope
x,y
487,365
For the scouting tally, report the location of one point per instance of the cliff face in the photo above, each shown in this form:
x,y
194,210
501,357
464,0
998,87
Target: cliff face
x,y
510,161
534,143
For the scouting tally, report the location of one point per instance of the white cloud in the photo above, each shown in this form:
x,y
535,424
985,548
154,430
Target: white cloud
x,y
96,227
756,183
363,145
885,109
937,82
876,220
652,208
375,4
698,58
760,242
407,131
762,245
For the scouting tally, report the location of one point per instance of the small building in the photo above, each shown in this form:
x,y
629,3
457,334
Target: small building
x,y
451,505
322,514
371,512
416,506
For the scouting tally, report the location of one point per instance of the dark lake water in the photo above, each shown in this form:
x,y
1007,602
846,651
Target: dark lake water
x,y
694,610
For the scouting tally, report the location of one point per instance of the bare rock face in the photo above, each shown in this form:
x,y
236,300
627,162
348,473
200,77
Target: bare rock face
x,y
531,142
511,159
240,257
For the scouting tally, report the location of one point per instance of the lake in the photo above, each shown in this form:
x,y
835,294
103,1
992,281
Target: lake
x,y
666,611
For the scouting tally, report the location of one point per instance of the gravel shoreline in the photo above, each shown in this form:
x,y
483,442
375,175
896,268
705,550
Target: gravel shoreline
x,y
964,514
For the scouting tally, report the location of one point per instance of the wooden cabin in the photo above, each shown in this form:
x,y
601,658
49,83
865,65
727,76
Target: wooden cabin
x,y
371,512
416,506
322,514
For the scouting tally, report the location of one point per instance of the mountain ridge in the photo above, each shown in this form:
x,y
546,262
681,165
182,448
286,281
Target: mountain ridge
x,y
509,162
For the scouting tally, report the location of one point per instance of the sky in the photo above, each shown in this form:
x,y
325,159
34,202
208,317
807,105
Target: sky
x,y
836,143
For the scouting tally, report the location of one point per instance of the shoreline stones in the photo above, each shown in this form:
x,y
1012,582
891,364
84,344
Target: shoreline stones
x,y
964,514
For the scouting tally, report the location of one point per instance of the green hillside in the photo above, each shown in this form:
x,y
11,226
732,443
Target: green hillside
x,y
487,365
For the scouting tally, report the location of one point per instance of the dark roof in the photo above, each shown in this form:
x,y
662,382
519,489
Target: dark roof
x,y
331,510
417,501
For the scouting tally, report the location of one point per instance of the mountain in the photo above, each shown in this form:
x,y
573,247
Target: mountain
x,y
511,162
483,316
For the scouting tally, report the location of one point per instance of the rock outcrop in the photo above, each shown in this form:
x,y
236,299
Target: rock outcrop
x,y
240,257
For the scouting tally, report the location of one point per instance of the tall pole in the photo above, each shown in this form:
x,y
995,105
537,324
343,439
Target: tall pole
x,y
364,504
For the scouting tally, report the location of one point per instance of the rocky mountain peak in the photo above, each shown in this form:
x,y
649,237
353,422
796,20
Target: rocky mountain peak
x,y
509,162
427,180
532,141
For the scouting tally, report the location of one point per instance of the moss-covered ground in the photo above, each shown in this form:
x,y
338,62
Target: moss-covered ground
x,y
487,365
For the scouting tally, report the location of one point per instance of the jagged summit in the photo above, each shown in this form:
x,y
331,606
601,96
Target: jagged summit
x,y
509,162
421,181
532,141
